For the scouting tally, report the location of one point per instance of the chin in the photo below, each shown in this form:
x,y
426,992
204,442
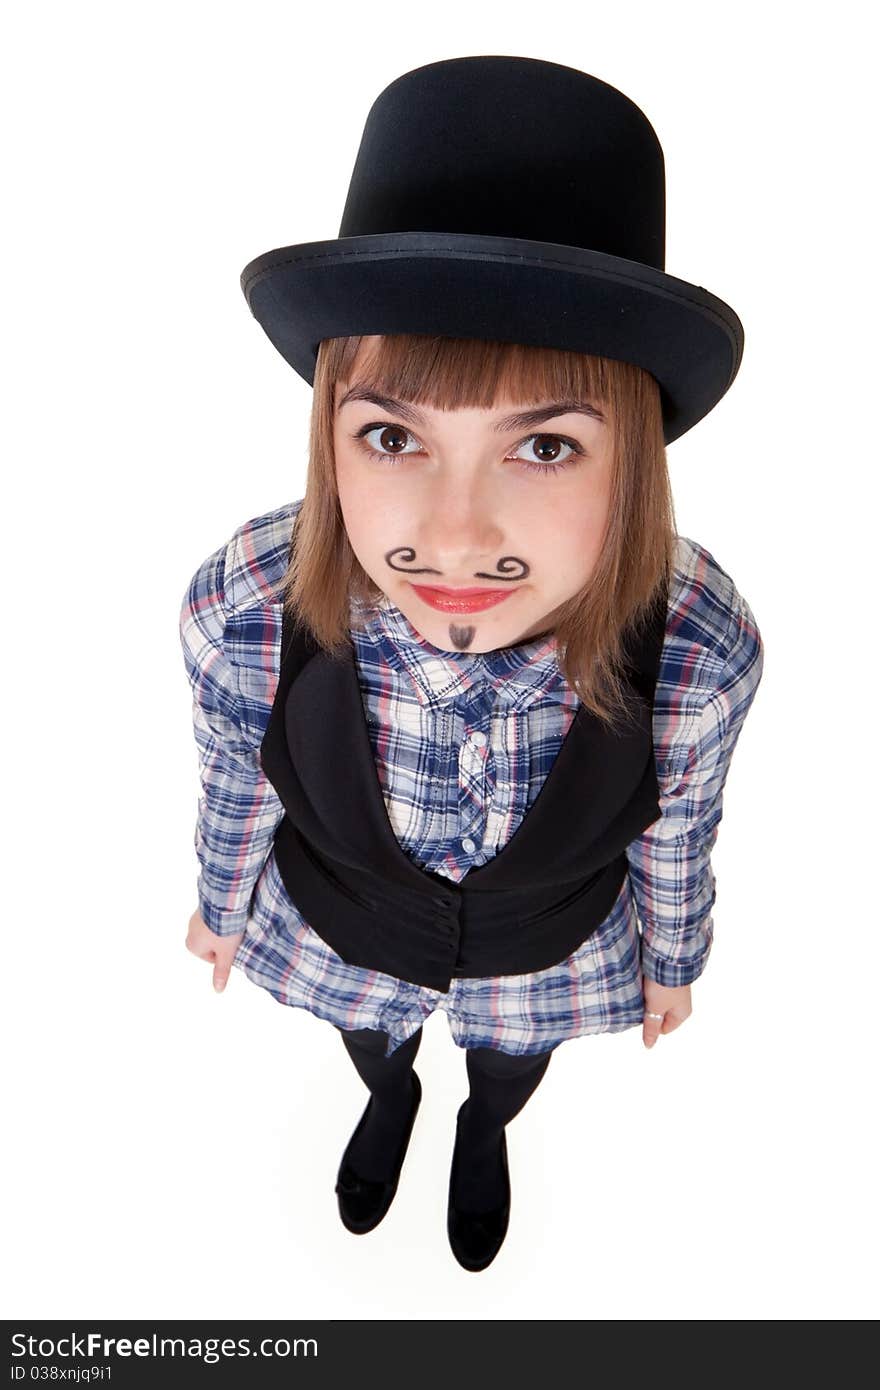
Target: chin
x,y
478,635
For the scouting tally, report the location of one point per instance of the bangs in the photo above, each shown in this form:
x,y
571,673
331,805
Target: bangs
x,y
468,373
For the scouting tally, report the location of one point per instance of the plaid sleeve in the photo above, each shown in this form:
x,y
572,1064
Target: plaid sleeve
x,y
670,864
238,809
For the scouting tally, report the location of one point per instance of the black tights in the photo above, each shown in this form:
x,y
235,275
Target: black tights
x,y
500,1086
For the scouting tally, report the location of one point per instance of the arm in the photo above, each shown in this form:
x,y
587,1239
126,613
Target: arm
x,y
238,809
670,864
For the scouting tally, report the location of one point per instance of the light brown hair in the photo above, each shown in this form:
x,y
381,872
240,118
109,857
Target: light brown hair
x,y
325,578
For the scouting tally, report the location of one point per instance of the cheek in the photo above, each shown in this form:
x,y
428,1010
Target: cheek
x,y
566,544
355,497
371,511
348,477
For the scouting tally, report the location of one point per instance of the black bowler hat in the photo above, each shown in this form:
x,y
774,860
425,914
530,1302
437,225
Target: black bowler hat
x,y
505,198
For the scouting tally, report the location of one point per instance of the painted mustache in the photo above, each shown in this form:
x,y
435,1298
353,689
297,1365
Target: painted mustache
x,y
505,564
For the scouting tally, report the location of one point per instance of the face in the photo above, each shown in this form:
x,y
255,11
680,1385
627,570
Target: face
x,y
477,525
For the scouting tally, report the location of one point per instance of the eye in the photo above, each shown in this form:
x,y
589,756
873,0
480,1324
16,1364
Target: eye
x,y
390,436
550,442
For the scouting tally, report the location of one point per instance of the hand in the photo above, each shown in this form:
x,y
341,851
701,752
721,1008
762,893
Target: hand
x,y
207,945
673,1004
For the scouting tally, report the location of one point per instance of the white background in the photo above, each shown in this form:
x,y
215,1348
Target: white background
x,y
172,1152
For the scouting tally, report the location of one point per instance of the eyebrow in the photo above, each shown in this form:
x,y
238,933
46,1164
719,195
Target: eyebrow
x,y
523,419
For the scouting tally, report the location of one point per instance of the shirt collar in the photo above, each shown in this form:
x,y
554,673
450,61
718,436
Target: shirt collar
x,y
517,674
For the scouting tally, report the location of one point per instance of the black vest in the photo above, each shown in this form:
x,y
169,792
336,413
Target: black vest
x,y
528,908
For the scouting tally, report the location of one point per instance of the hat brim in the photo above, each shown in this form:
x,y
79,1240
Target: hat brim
x,y
537,293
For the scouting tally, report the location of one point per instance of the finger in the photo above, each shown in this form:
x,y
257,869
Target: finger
x,y
221,975
202,952
674,1020
651,1027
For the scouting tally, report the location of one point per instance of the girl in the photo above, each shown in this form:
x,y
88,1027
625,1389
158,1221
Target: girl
x,y
465,711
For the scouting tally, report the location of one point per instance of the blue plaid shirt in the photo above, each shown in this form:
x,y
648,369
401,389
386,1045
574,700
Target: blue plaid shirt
x,y
462,744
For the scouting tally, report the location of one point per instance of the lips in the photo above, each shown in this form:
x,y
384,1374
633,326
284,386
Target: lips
x,y
460,600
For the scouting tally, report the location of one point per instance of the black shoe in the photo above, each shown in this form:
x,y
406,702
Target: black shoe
x,y
476,1237
362,1202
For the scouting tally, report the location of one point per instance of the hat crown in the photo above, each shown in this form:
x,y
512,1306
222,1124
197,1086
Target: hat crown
x,y
511,147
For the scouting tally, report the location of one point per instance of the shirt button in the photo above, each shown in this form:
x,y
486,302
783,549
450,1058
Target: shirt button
x,y
478,739
469,845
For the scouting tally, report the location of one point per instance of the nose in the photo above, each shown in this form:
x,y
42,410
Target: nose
x,y
459,527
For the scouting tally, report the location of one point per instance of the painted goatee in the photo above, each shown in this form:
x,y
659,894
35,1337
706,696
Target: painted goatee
x,y
461,637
